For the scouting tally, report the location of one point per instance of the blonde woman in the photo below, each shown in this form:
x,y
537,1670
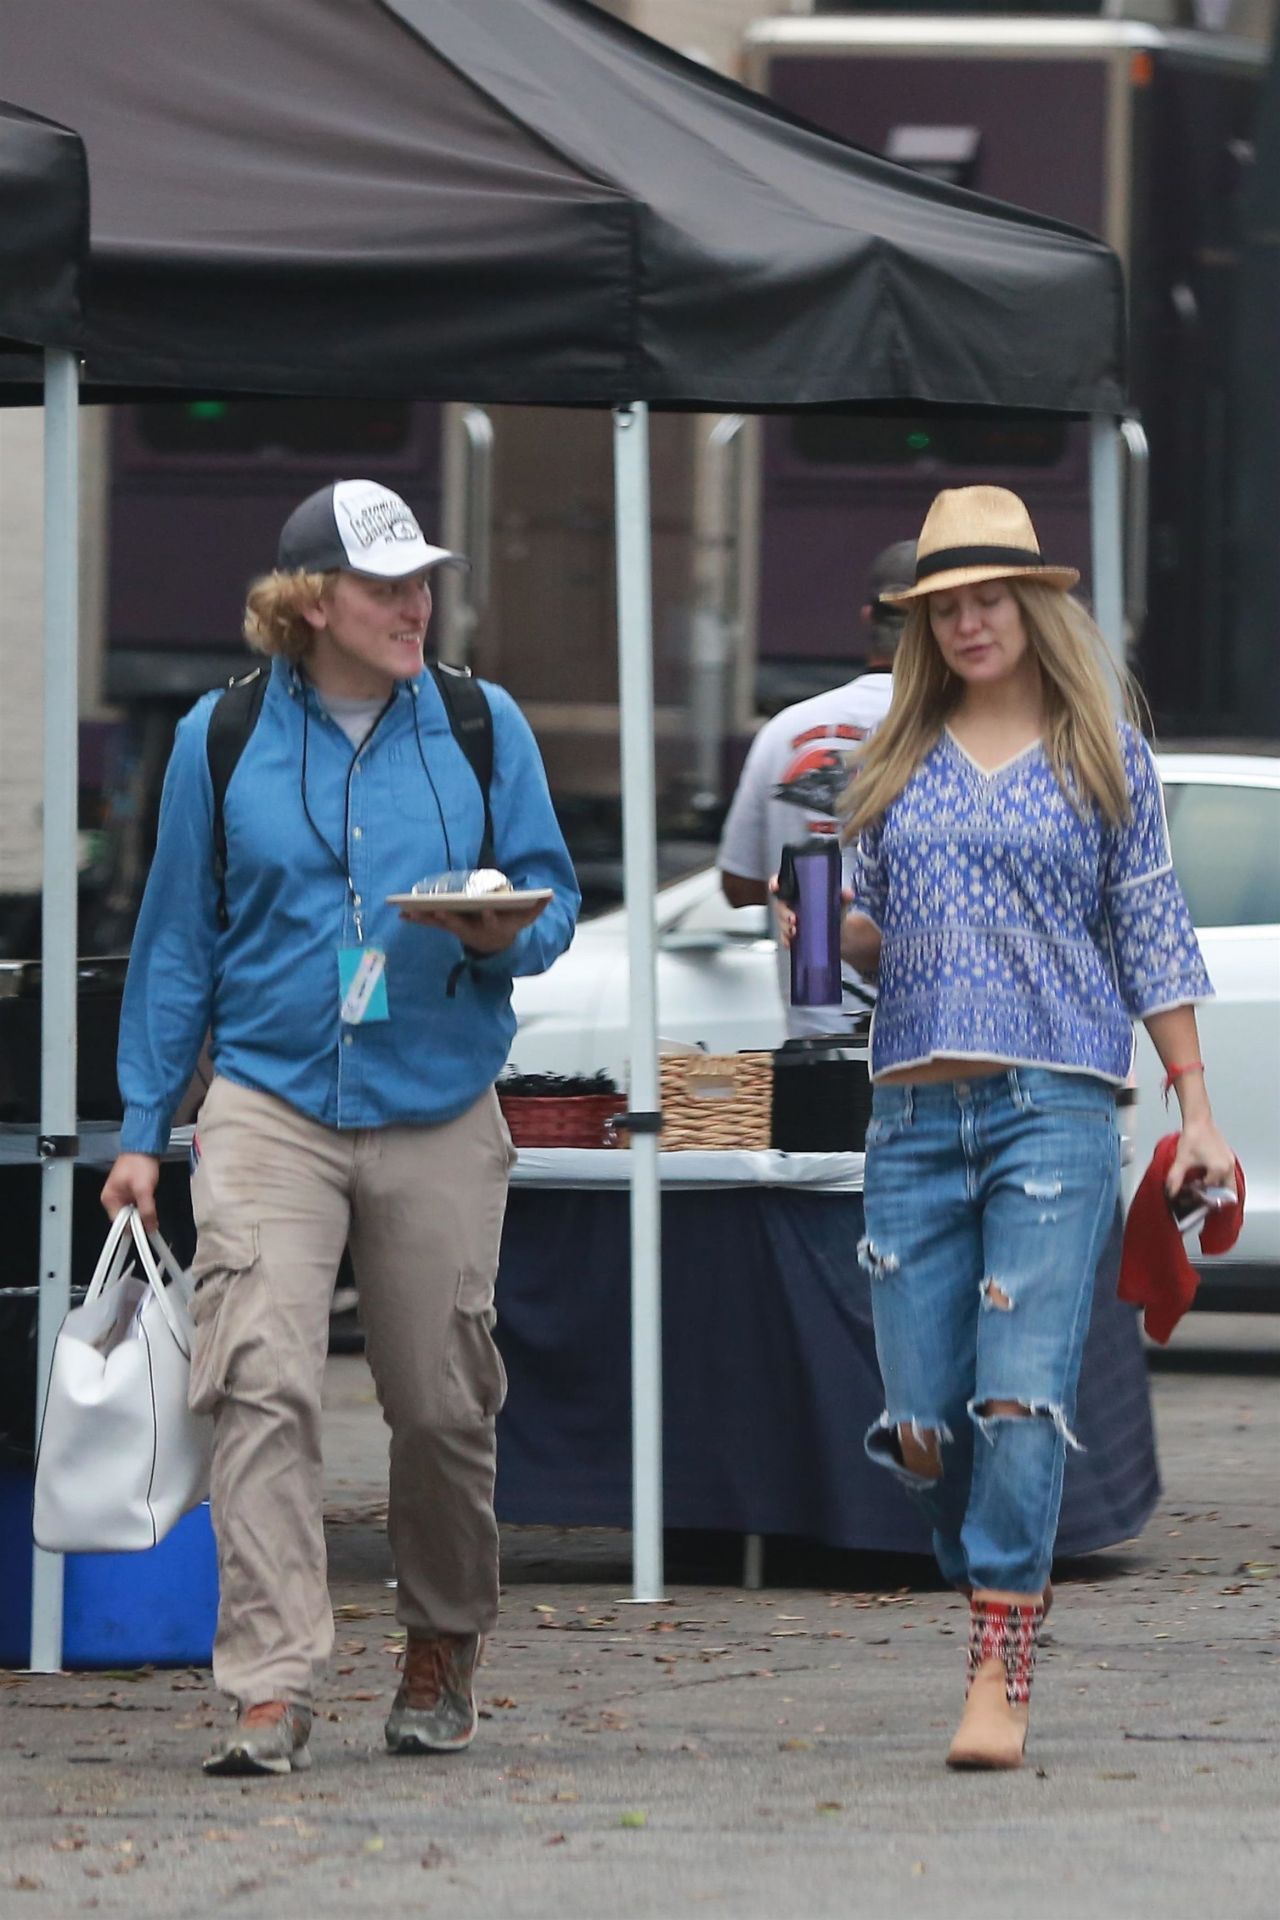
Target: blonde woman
x,y
1013,888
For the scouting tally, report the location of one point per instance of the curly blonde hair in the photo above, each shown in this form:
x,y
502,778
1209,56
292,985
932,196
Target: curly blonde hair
x,y
274,621
1080,685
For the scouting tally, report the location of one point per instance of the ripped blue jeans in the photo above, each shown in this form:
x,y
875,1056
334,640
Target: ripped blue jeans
x,y
987,1208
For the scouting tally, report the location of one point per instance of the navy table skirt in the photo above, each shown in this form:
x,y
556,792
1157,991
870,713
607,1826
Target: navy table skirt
x,y
769,1375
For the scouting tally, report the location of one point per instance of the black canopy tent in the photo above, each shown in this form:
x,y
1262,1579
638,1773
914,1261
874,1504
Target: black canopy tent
x,y
44,235
524,201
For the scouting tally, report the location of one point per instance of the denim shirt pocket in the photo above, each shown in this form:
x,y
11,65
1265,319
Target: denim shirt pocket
x,y
414,781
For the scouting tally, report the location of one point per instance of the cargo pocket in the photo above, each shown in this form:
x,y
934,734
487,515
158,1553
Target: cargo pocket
x,y
475,1380
506,1144
233,1354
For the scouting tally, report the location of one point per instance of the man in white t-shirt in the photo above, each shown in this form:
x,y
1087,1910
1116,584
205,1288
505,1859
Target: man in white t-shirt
x,y
795,773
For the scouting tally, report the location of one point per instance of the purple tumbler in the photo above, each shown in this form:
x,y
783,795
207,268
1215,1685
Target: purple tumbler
x,y
809,880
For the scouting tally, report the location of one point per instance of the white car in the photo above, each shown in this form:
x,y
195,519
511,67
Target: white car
x,y
717,986
1224,824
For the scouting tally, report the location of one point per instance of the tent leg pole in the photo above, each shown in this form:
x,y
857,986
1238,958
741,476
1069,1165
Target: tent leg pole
x,y
639,833
58,970
1106,515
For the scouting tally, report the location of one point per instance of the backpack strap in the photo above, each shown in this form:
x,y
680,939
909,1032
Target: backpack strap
x,y
234,717
471,722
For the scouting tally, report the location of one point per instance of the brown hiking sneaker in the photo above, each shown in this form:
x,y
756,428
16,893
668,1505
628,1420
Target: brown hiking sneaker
x,y
269,1738
435,1708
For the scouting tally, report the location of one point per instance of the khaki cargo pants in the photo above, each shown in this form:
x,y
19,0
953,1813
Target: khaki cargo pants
x,y
276,1198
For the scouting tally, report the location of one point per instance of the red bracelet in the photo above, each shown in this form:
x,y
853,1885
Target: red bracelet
x,y
1176,1073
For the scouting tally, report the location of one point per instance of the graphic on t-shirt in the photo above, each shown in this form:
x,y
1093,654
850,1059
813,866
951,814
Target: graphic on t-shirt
x,y
817,774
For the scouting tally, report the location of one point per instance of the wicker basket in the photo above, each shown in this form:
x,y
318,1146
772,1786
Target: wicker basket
x,y
562,1120
715,1101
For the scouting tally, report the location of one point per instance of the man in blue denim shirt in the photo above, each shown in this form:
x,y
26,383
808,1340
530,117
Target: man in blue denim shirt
x,y
355,1049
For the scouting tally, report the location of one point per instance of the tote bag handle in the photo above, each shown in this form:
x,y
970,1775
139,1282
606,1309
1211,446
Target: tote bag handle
x,y
127,1234
114,1256
172,1301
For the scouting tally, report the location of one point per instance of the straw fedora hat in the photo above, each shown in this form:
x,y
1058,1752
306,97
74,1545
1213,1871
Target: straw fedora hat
x,y
977,533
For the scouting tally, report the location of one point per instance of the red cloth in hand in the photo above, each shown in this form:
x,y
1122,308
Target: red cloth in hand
x,y
1155,1273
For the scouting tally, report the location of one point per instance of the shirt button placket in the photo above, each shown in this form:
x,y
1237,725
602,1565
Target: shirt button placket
x,y
356,857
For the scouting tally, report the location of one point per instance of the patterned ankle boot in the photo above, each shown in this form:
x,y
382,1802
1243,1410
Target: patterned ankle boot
x,y
1002,1658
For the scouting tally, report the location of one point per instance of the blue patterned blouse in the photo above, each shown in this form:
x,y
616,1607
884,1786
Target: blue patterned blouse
x,y
1014,928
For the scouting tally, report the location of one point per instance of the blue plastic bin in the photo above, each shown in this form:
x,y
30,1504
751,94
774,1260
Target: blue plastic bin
x,y
157,1608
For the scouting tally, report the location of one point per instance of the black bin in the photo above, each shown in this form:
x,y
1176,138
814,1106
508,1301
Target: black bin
x,y
822,1093
99,991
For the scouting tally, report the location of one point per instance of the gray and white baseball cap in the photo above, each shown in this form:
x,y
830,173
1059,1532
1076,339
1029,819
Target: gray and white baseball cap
x,y
358,525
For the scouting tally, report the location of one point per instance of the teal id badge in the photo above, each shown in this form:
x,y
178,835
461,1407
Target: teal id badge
x,y
362,985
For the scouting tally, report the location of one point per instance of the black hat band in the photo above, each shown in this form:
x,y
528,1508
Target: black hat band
x,y
948,557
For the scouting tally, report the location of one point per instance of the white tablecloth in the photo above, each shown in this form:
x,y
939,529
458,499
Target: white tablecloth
x,y
593,1167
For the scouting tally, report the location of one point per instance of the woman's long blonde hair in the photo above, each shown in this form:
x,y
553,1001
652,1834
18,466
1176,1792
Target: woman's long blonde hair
x,y
274,621
1079,707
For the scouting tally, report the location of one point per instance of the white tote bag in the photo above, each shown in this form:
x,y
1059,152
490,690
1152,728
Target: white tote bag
x,y
121,1458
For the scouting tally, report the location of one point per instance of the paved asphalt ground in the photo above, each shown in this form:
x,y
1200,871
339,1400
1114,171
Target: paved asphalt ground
x,y
750,1755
